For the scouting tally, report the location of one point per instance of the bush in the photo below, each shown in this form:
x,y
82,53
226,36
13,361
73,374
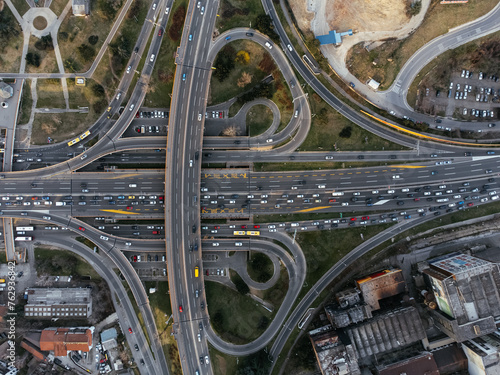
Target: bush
x,y
241,286
224,63
8,28
242,57
346,132
33,59
264,24
45,43
109,7
175,30
86,52
93,39
98,90
134,9
63,36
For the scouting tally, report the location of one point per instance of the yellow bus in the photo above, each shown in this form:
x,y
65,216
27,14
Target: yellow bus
x,y
196,271
71,143
253,233
239,232
85,135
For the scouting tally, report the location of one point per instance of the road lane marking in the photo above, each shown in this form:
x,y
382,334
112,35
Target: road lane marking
x,y
120,212
313,209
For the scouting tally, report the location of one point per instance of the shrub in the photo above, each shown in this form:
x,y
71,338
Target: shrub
x,y
93,39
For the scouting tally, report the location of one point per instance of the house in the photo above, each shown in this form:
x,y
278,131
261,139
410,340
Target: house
x,y
62,340
80,7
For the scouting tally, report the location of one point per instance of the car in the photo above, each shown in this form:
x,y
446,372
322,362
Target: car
x,y
207,361
82,229
269,140
160,32
268,45
180,308
365,218
183,76
396,177
136,347
256,226
129,330
215,244
328,157
190,38
488,171
129,68
202,11
104,238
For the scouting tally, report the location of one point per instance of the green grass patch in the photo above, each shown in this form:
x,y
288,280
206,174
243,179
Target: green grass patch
x,y
319,165
11,40
57,6
243,76
260,267
50,94
323,249
88,243
162,78
62,263
3,257
259,119
222,364
392,55
237,13
26,103
277,293
48,62
161,308
60,126
332,131
235,317
21,6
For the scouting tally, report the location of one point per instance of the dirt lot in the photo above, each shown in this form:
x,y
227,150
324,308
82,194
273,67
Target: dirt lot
x,y
359,15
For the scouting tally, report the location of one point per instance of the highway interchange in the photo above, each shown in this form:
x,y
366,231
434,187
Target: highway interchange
x,y
429,171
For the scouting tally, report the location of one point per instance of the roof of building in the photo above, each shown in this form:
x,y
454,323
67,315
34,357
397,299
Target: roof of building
x,y
455,263
61,340
333,37
81,7
55,296
466,288
423,364
6,90
333,356
343,317
30,347
380,285
392,330
450,359
109,334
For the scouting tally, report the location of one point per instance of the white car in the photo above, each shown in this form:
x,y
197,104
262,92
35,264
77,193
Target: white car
x,y
199,116
238,244
396,177
215,244
269,140
345,203
104,238
289,47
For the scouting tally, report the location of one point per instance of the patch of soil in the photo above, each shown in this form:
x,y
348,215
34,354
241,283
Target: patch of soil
x,y
40,23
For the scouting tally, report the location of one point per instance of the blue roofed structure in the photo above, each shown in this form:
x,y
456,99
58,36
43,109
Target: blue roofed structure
x,y
333,37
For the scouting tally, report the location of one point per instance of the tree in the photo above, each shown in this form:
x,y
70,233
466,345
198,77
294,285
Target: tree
x,y
33,59
8,28
86,52
98,90
109,7
63,36
255,364
346,132
242,57
134,9
93,39
44,43
264,24
224,63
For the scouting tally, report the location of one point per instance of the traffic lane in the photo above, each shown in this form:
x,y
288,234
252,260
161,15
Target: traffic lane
x,y
98,262
349,179
296,282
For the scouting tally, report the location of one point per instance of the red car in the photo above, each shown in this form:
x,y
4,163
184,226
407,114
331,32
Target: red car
x,y
332,200
207,273
129,207
217,227
243,227
135,258
354,218
220,114
180,308
156,232
129,330
137,115
416,199
160,32
256,226
365,218
82,229
470,204
34,198
161,197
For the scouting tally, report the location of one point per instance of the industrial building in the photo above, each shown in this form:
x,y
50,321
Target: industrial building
x,y
467,294
341,318
422,364
64,303
334,356
381,285
63,340
483,354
